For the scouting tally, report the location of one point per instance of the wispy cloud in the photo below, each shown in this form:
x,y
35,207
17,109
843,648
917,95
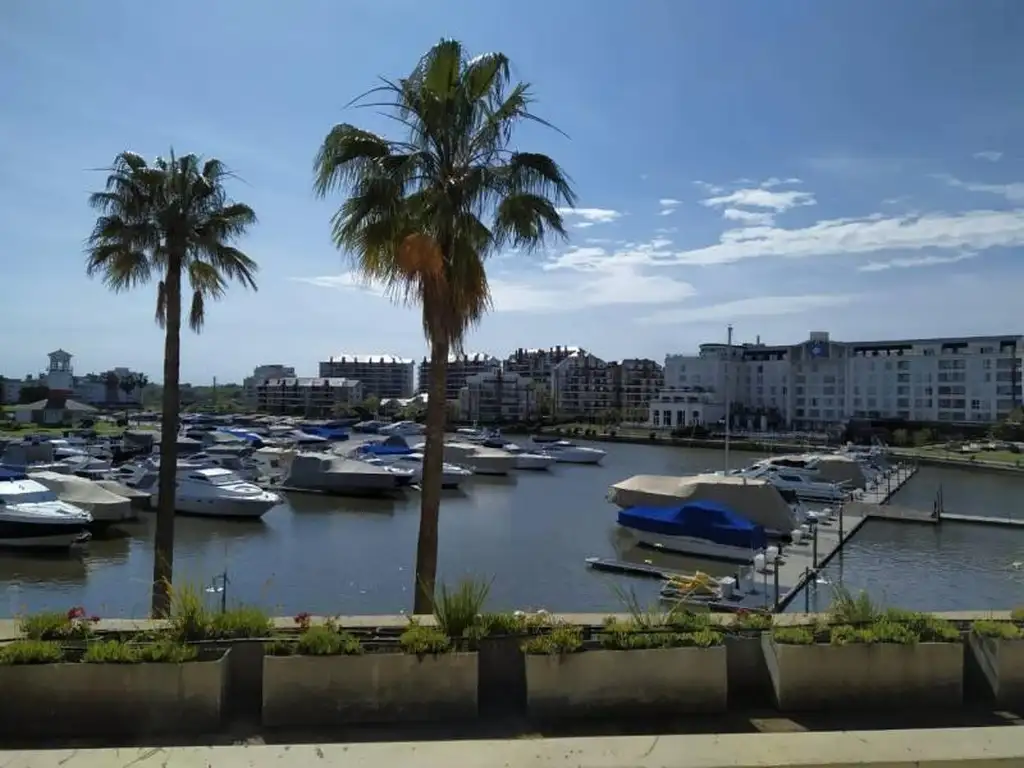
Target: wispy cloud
x,y
588,217
761,198
344,280
988,155
668,206
763,306
916,261
752,218
1013,191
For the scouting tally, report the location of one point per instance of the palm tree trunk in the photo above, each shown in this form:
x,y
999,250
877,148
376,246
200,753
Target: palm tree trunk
x,y
430,494
163,549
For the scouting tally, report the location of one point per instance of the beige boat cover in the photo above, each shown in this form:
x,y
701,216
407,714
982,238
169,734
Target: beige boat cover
x,y
842,469
88,495
756,500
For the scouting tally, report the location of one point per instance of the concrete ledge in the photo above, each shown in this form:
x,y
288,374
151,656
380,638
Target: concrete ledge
x,y
1001,747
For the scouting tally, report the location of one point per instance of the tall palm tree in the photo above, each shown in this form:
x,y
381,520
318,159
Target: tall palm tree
x,y
424,212
167,221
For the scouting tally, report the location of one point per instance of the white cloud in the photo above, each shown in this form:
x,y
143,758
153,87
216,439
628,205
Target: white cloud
x,y
774,181
916,261
1014,191
583,224
989,155
971,230
592,215
667,211
761,198
669,202
748,217
711,189
345,280
763,306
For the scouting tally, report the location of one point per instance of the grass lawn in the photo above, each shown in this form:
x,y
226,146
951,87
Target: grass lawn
x,y
993,457
102,429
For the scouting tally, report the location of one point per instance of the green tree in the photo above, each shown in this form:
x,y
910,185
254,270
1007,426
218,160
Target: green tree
x,y
168,221
424,212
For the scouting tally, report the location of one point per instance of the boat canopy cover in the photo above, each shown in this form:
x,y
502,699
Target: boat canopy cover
x,y
327,433
395,445
757,500
11,474
707,520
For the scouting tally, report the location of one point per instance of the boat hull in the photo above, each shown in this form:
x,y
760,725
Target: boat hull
x,y
689,545
577,457
532,461
25,535
214,507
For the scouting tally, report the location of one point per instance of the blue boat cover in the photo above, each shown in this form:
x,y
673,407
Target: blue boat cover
x,y
700,519
7,473
381,449
328,433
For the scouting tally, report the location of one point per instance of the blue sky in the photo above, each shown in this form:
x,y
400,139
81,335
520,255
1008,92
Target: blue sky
x,y
854,167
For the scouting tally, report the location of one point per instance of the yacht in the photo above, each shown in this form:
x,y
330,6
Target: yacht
x,y
755,499
401,428
319,473
525,459
207,491
482,460
105,507
566,452
452,475
786,479
32,517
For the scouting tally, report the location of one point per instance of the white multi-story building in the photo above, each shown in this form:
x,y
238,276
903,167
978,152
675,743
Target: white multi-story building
x,y
382,376
460,368
260,375
821,384
583,384
537,364
118,386
307,396
638,382
495,396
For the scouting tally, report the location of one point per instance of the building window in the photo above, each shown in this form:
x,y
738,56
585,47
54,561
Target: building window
x,y
975,405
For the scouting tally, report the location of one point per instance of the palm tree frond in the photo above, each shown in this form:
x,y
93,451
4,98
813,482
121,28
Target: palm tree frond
x,y
161,304
346,154
527,221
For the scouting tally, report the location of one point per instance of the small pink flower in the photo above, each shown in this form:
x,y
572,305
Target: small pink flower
x,y
303,620
94,619
77,612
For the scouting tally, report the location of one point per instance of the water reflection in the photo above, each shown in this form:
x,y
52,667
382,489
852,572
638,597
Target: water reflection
x,y
314,503
43,567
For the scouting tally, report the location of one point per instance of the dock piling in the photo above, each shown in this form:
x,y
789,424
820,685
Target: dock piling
x,y
814,546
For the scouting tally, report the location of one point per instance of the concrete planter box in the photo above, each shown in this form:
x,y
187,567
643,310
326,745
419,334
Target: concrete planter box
x,y
76,699
592,683
1002,663
855,676
374,687
749,682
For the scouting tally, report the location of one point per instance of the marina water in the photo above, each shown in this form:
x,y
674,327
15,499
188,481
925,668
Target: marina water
x,y
530,534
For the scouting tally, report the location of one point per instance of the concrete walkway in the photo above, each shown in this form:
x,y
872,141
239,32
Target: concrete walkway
x,y
974,747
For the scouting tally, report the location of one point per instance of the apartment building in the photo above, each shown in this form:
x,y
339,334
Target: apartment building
x,y
537,364
312,397
495,396
637,382
819,383
382,376
583,385
260,375
118,386
460,369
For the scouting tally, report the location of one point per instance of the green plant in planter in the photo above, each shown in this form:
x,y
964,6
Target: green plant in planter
x,y
998,630
22,652
561,639
848,608
1017,615
879,632
793,635
751,621
626,635
421,640
238,623
190,618
73,624
166,651
512,624
458,611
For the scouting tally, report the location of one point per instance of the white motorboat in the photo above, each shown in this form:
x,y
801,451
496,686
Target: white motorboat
x,y
32,517
702,528
401,428
525,459
322,473
479,458
805,490
452,475
208,491
566,452
105,507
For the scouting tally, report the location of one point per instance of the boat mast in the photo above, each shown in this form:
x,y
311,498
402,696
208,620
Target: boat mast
x,y
728,371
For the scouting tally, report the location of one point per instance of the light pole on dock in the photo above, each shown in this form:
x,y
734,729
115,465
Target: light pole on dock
x,y
728,410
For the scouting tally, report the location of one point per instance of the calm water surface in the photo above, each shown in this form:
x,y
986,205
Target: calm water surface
x,y
530,534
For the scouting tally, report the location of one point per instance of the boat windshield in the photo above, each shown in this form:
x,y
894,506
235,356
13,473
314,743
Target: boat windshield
x,y
216,478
